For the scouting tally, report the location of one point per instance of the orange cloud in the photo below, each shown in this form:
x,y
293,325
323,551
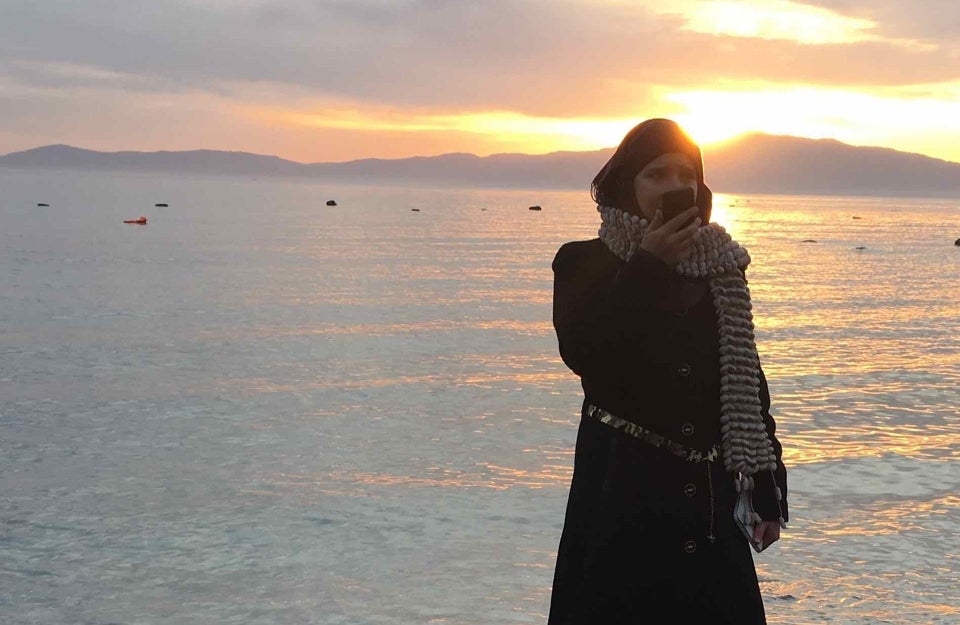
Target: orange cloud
x,y
530,134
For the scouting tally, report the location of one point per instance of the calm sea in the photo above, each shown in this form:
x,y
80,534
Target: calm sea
x,y
258,409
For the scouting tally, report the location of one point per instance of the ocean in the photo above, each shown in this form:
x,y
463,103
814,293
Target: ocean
x,y
259,409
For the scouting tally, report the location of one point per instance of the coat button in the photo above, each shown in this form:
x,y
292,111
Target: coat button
x,y
687,429
683,370
690,490
690,546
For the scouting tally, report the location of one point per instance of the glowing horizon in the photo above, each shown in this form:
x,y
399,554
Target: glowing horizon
x,y
924,124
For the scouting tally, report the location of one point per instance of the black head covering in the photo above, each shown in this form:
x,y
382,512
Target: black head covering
x,y
613,185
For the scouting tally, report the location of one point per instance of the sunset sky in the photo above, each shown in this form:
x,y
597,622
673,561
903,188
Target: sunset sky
x,y
334,80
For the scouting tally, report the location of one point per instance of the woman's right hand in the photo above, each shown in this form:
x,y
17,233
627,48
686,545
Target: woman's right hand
x,y
671,242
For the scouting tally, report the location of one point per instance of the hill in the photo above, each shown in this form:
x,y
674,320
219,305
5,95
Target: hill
x,y
751,164
776,164
198,161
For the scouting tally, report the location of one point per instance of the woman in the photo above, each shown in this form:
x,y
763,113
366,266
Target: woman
x,y
654,316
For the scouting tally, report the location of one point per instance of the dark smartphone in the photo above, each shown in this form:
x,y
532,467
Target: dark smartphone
x,y
672,203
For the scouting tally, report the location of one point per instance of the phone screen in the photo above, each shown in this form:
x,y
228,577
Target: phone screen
x,y
672,203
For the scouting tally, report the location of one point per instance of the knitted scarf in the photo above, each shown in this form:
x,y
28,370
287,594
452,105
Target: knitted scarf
x,y
744,442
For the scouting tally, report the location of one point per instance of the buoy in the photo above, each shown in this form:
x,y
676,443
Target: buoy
x,y
162,205
331,202
535,207
42,204
141,221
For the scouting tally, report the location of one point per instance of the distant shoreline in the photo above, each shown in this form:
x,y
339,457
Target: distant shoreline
x,y
755,164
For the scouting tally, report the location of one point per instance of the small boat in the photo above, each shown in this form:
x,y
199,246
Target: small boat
x,y
161,205
42,204
141,221
536,207
414,210
331,202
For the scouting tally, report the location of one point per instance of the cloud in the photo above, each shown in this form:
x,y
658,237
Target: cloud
x,y
212,62
472,56
776,19
933,21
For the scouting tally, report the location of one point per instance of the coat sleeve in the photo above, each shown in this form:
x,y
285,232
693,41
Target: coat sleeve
x,y
764,496
599,323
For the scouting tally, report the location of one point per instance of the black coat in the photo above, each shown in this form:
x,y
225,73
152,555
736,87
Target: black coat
x,y
636,534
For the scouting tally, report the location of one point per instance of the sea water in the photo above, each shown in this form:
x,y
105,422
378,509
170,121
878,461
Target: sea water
x,y
258,409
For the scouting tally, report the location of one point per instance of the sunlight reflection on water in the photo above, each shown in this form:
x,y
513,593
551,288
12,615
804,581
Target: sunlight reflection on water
x,y
862,361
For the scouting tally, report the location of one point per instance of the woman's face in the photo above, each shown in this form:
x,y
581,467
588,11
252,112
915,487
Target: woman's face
x,y
667,172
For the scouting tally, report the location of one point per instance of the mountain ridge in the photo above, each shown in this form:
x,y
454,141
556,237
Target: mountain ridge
x,y
755,163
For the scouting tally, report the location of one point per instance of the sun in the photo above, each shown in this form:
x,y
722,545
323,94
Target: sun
x,y
716,116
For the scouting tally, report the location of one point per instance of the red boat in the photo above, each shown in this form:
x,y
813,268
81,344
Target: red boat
x,y
142,221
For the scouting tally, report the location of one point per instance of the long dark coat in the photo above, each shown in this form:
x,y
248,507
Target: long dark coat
x,y
635,542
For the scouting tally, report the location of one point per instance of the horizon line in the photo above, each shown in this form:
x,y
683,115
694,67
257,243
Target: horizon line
x,y
704,147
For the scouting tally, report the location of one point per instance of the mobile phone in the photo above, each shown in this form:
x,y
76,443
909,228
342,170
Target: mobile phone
x,y
672,203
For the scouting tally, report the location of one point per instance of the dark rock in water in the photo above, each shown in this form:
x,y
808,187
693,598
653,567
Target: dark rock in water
x,y
957,242
787,598
331,202
808,241
860,248
161,205
536,208
42,204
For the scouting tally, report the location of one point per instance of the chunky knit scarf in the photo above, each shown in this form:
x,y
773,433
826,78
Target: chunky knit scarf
x,y
746,447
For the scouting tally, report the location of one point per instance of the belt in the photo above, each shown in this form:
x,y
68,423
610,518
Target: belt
x,y
650,437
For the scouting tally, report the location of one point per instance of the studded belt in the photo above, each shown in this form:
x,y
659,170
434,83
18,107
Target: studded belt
x,y
650,437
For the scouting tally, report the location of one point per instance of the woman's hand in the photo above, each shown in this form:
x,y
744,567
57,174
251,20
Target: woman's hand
x,y
670,241
766,533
